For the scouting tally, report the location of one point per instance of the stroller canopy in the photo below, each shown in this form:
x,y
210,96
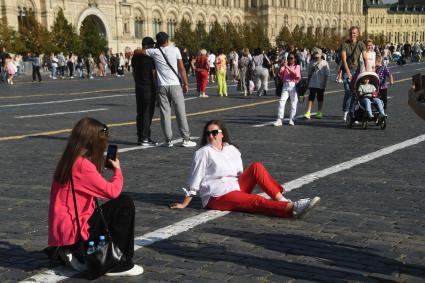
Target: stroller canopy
x,y
372,76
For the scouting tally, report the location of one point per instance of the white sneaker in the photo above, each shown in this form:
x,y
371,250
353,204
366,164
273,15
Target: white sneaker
x,y
278,123
136,270
291,122
345,115
71,261
302,206
167,144
188,143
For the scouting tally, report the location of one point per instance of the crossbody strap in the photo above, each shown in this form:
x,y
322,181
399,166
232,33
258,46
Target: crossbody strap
x,y
98,209
169,65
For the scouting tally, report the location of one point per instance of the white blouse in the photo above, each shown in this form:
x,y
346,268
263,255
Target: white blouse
x,y
215,172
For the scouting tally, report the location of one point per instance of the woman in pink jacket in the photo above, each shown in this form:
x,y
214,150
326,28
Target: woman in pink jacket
x,y
290,73
83,161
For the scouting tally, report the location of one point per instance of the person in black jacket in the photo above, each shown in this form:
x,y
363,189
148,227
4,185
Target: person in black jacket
x,y
144,75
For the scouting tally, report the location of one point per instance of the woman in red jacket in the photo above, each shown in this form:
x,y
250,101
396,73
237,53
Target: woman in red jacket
x,y
82,161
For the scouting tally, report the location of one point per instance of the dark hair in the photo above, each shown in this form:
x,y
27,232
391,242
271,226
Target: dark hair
x,y
257,51
88,138
220,124
294,54
220,51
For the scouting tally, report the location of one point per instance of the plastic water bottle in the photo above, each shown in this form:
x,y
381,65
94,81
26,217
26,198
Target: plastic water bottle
x,y
91,249
102,242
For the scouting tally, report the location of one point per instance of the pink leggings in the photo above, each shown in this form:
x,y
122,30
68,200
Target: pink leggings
x,y
244,201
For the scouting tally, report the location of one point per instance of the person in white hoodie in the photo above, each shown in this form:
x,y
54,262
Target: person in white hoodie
x,y
318,74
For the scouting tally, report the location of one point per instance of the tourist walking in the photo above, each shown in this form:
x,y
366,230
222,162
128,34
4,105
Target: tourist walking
x,y
35,61
211,60
351,51
290,74
202,68
245,71
260,63
221,66
318,74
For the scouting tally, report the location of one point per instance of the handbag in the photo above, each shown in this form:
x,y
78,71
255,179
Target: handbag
x,y
107,256
302,87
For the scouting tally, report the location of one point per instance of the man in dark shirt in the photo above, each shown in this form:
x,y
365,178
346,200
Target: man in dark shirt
x,y
144,75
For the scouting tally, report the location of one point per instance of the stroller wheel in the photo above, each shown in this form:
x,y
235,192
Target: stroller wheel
x,y
383,123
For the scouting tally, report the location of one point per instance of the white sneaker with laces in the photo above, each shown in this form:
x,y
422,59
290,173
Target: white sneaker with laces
x,y
302,206
278,123
167,144
136,270
291,122
188,143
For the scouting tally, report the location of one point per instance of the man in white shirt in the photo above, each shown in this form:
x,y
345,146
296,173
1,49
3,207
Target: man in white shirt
x,y
169,88
211,60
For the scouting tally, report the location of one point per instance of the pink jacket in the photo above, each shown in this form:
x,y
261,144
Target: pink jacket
x,y
88,184
289,77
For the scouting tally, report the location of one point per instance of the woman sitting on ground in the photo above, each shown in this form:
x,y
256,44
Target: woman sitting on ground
x,y
81,164
218,175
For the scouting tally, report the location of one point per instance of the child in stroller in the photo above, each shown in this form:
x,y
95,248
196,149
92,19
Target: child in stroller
x,y
365,94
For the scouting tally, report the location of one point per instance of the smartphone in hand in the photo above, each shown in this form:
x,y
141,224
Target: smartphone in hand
x,y
111,154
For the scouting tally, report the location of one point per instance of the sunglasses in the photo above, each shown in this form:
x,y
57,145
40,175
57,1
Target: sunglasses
x,y
213,132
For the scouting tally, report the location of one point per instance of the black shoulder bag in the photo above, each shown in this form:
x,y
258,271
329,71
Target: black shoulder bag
x,y
103,258
169,65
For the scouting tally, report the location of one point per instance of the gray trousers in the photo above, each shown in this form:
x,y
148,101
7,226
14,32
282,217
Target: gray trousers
x,y
261,79
173,94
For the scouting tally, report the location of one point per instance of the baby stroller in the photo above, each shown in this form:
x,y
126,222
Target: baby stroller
x,y
359,112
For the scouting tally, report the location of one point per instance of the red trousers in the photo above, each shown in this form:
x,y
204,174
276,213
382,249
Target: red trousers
x,y
244,201
201,80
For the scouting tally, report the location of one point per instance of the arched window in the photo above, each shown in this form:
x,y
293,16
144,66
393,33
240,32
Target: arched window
x,y
156,25
171,27
139,26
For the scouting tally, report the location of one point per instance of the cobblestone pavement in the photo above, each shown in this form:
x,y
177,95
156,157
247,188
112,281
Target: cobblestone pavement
x,y
369,227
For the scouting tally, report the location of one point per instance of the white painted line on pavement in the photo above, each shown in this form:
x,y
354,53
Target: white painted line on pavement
x,y
58,274
61,113
286,119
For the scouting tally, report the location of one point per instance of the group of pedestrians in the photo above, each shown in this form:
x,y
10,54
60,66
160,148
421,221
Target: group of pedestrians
x,y
217,172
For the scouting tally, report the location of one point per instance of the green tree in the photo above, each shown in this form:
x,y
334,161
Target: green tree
x,y
232,38
215,37
201,36
64,36
9,38
259,38
92,41
35,37
284,36
185,37
298,36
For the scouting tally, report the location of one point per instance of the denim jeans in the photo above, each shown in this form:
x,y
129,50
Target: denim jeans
x,y
367,103
53,72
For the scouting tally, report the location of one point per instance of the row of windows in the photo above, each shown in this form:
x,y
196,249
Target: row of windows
x,y
405,36
139,27
226,3
380,20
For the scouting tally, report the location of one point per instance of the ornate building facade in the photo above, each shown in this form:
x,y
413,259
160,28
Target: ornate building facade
x,y
125,22
401,22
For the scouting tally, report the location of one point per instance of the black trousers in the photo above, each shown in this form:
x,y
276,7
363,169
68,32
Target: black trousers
x,y
383,93
145,100
119,215
36,71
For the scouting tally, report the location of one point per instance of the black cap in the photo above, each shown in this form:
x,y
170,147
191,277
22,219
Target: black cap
x,y
161,37
147,41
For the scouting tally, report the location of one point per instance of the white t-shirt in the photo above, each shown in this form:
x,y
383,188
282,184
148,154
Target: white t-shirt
x,y
165,75
215,173
211,59
371,57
